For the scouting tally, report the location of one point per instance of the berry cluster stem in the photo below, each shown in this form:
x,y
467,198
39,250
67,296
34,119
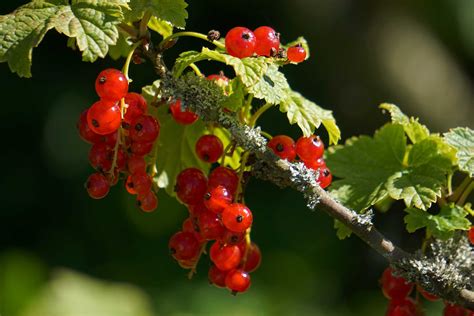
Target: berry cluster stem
x,y
190,34
253,120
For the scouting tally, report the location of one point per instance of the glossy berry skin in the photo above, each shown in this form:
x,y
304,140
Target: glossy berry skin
x,y
237,217
136,106
104,117
136,164
428,296
209,148
403,307
395,288
148,202
226,177
284,147
216,276
86,133
268,41
453,310
97,186
191,185
309,148
141,149
190,225
101,157
237,281
315,164
217,199
141,182
240,42
144,129
296,54
232,238
221,80
129,186
325,177
197,209
210,226
254,258
111,84
225,257
184,117
184,246
471,235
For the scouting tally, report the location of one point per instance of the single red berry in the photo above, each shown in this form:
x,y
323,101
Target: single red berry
x,y
136,164
190,225
210,226
97,186
144,129
232,238
225,177
268,41
296,54
104,117
183,246
240,42
309,148
191,185
209,148
315,164
136,106
325,177
185,117
111,84
225,257
395,288
216,276
147,201
237,217
86,133
427,295
237,280
141,149
101,157
217,199
141,183
283,146
129,186
471,235
403,307
121,159
109,139
453,310
221,80
254,258
197,209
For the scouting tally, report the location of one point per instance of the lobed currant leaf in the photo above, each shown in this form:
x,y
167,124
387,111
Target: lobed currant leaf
x,y
462,139
164,28
271,87
121,49
172,11
235,91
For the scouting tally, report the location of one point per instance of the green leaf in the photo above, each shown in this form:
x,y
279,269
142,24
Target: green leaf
x,y
308,115
236,94
121,49
462,139
173,11
164,28
271,87
414,130
450,218
224,135
91,22
342,231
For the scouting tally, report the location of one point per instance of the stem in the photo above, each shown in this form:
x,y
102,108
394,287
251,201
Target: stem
x,y
465,194
266,135
196,70
128,29
226,150
238,192
144,24
457,193
190,34
193,269
450,183
260,111
248,242
126,66
247,107
118,142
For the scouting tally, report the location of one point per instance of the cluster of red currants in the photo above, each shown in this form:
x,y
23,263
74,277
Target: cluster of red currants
x,y
397,290
121,134
264,41
310,151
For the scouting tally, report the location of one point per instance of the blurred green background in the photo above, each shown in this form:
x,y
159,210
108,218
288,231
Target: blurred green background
x,y
62,253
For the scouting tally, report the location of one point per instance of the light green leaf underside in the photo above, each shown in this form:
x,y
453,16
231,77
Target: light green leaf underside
x,y
173,11
342,231
462,139
164,28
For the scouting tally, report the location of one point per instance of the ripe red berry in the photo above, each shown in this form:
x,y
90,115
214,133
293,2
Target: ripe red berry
x,y
209,148
221,80
325,177
395,288
190,225
232,238
453,310
226,177
86,133
101,157
217,199
283,146
237,280
268,41
240,42
254,258
403,307
427,295
296,54
191,185
237,217
184,246
315,164
129,186
109,139
147,201
471,235
141,148
144,129
216,276
97,186
309,148
141,183
136,106
210,226
197,209
136,164
185,117
104,117
111,84
225,257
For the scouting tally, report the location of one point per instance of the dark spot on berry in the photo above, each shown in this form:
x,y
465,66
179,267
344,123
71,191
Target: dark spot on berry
x,y
279,147
95,123
207,196
326,172
125,125
87,185
206,157
138,127
234,293
176,188
246,36
130,185
102,79
139,203
239,218
234,239
172,251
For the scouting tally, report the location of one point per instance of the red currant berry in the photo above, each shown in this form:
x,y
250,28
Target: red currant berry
x,y
197,209
86,133
395,288
209,148
141,183
427,295
325,177
283,146
136,164
144,129
129,186
471,235
191,185
147,201
184,246
101,157
315,164
225,177
403,307
309,148
216,276
185,117
217,199
109,139
453,310
210,226
254,258
225,257
237,281
190,225
268,41
232,238
104,117
111,84
141,149
97,186
136,106
296,54
221,80
237,217
240,42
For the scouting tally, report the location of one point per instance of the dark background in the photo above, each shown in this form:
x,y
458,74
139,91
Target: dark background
x,y
417,54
